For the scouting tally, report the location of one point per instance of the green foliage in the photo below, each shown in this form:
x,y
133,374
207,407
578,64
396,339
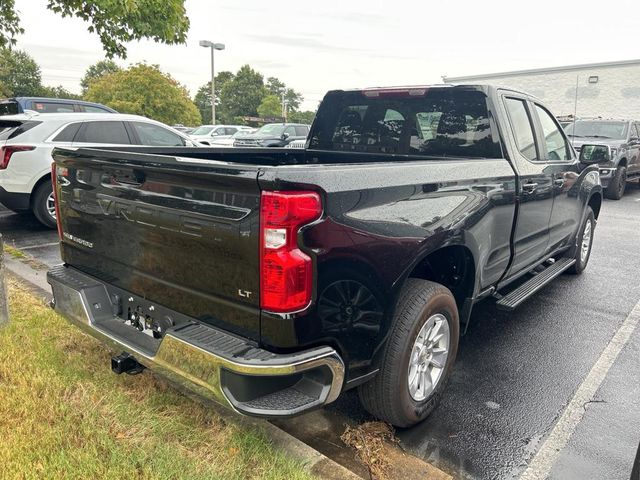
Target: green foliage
x,y
145,90
58,92
302,117
246,94
9,23
115,21
19,74
203,97
241,95
270,107
276,87
97,70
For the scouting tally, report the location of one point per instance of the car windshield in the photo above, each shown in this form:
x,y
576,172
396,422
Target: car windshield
x,y
202,130
275,129
597,129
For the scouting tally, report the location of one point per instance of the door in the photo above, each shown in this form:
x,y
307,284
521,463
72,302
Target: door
x,y
561,164
534,188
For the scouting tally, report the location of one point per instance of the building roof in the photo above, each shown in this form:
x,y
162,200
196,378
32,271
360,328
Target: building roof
x,y
535,71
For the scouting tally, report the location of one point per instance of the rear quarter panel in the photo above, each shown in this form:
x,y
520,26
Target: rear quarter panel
x,y
379,221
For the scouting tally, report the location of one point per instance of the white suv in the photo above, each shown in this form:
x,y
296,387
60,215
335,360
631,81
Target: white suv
x,y
210,134
26,143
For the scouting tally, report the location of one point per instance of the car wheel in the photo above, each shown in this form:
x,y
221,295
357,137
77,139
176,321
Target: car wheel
x,y
615,190
43,204
418,358
584,242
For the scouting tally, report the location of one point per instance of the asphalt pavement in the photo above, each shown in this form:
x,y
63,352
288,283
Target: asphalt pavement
x,y
516,372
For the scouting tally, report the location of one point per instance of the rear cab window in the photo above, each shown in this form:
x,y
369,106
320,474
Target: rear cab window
x,y
435,122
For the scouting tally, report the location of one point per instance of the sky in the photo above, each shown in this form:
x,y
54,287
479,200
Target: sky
x,y
318,46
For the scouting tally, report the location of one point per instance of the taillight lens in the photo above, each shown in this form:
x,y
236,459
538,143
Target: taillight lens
x,y
8,150
54,177
286,272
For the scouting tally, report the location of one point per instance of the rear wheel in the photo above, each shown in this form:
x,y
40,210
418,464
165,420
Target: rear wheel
x,y
584,242
615,190
43,204
418,358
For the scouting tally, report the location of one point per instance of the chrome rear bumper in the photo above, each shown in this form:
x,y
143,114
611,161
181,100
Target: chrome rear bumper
x,y
204,359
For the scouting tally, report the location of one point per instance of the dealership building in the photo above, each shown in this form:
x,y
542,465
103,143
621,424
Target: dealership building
x,y
608,90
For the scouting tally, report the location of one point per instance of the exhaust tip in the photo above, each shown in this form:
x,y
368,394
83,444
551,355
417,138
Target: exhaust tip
x,y
125,363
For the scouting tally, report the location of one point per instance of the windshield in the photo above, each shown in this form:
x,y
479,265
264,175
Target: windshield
x,y
275,129
202,130
597,129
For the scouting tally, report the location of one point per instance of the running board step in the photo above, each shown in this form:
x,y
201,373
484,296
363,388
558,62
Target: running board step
x,y
513,299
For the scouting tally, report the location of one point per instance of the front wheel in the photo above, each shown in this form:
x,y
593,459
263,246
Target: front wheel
x,y
615,189
584,242
418,357
43,205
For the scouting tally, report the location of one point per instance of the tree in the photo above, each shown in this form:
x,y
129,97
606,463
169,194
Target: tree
x,y
276,87
19,74
115,21
145,90
270,107
97,70
58,92
242,95
302,117
203,97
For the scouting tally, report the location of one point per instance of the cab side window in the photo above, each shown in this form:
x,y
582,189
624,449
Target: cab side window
x,y
557,146
522,128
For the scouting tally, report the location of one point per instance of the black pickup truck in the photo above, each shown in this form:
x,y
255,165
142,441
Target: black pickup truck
x,y
274,279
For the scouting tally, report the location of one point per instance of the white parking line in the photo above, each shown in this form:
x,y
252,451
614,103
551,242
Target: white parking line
x,y
40,245
542,463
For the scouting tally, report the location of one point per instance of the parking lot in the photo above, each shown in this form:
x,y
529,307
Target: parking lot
x,y
516,373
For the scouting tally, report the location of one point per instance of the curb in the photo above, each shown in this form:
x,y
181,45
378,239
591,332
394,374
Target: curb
x,y
314,462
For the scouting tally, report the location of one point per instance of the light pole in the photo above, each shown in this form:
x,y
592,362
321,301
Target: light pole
x,y
214,47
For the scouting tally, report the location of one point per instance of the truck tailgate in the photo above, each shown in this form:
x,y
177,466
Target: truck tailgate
x,y
183,233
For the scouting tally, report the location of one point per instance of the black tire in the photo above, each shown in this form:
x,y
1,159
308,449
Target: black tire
x,y
387,395
39,200
582,261
616,187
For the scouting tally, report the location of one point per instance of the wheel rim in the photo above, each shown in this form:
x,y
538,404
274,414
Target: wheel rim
x,y
428,357
586,242
51,206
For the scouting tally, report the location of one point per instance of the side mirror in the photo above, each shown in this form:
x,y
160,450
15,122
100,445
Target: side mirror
x,y
285,136
595,154
215,133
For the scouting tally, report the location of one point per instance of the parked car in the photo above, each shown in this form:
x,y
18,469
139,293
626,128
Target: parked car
x,y
183,129
227,142
274,135
274,280
623,136
26,143
206,134
297,143
16,105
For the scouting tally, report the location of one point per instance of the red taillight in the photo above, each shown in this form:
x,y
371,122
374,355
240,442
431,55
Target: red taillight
x,y
8,150
54,177
286,278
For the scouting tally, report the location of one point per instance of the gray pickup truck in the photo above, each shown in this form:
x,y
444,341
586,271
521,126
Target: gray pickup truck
x,y
623,138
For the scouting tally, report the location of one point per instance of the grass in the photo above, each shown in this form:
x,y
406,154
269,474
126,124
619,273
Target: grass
x,y
63,414
14,252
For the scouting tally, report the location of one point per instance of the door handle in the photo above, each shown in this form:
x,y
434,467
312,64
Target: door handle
x,y
529,187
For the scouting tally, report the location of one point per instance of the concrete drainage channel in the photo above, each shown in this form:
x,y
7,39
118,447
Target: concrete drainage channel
x,y
330,445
